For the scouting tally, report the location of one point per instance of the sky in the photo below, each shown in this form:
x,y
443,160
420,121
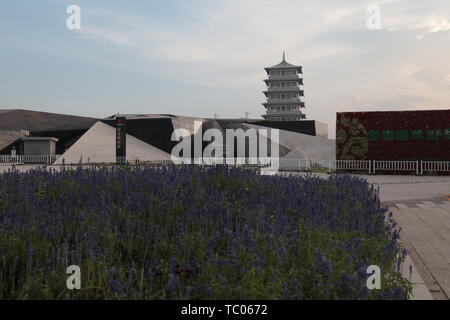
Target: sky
x,y
207,57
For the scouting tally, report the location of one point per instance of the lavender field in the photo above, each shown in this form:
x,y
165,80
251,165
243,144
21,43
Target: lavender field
x,y
194,233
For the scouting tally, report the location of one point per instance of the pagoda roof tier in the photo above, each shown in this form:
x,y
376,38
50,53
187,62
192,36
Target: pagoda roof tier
x,y
284,91
283,77
292,78
284,66
285,112
284,115
294,102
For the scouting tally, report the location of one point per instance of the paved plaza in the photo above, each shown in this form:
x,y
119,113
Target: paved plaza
x,y
422,210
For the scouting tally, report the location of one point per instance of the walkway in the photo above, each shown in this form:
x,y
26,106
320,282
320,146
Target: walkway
x,y
426,235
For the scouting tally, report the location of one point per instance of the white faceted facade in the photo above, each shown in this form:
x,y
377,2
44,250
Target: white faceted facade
x,y
283,93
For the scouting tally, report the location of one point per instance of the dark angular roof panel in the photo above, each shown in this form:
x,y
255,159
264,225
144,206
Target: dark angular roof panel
x,y
18,119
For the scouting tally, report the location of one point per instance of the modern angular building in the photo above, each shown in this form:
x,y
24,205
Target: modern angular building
x,y
73,139
283,93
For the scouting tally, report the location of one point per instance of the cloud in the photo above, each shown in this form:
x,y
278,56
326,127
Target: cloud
x,y
243,36
347,66
115,37
205,48
421,17
448,78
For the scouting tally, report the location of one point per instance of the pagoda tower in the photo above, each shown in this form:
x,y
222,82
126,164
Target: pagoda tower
x,y
283,93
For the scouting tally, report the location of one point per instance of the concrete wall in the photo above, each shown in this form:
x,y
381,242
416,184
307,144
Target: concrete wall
x,y
39,147
321,129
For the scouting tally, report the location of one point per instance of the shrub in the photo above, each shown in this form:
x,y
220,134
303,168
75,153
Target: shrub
x,y
191,232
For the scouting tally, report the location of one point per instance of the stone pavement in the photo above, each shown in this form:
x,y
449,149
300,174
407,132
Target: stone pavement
x,y
426,235
423,214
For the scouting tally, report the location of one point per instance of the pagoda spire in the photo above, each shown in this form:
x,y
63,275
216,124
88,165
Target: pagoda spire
x,y
284,58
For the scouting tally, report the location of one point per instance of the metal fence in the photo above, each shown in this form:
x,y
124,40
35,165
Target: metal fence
x,y
369,166
434,166
329,165
396,166
28,159
352,165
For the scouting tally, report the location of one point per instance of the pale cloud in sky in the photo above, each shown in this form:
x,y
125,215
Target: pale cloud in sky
x,y
205,57
252,32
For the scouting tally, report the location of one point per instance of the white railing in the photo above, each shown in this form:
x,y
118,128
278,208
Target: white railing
x,y
396,166
35,159
293,164
262,161
419,167
434,166
370,166
358,165
304,164
9,159
31,159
